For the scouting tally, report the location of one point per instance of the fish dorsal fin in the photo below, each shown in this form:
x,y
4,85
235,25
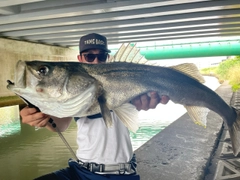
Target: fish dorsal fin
x,y
198,114
128,53
125,56
106,114
128,114
119,54
189,69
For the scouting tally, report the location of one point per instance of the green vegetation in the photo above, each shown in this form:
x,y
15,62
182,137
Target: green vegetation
x,y
227,70
209,71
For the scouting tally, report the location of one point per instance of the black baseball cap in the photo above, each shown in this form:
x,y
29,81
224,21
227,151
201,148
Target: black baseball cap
x,y
93,41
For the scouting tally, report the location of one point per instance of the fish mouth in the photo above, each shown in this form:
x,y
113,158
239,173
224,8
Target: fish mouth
x,y
20,73
10,85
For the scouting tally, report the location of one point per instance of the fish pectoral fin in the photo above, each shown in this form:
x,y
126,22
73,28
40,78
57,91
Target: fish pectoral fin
x,y
128,114
191,70
198,114
106,114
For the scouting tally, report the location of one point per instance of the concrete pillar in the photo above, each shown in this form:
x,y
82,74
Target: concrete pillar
x,y
12,50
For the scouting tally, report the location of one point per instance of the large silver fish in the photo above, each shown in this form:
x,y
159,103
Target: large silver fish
x,y
73,89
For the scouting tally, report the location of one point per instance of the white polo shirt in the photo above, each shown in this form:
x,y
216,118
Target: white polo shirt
x,y
102,145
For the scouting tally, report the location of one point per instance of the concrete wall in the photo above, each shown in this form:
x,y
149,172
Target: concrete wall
x,y
11,51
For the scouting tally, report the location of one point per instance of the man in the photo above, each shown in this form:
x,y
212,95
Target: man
x,y
103,153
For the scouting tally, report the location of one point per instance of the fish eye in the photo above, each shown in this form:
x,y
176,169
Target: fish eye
x,y
43,70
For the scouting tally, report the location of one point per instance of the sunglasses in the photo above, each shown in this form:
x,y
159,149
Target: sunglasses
x,y
101,57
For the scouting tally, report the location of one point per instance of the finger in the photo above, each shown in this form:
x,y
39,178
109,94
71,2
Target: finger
x,y
154,100
27,111
145,99
137,103
164,99
34,119
43,122
39,122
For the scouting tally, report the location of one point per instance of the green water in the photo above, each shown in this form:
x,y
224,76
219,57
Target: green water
x,y
27,152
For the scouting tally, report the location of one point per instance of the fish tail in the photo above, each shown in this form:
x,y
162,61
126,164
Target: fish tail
x,y
234,131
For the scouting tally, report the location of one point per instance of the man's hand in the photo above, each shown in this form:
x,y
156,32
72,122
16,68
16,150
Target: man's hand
x,y
34,118
144,102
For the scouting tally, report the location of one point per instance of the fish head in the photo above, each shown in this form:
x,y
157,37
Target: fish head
x,y
51,85
39,78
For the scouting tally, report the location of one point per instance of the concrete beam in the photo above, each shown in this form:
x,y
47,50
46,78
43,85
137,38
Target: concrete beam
x,y
128,31
10,10
182,20
160,12
95,9
5,3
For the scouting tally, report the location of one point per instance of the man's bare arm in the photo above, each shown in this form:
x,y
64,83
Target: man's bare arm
x,y
32,117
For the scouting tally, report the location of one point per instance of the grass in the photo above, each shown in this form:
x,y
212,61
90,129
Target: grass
x,y
226,70
211,71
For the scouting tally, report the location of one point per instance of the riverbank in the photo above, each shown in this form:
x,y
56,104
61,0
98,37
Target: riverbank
x,y
226,70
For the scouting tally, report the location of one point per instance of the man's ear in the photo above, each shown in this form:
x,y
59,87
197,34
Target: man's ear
x,y
79,57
